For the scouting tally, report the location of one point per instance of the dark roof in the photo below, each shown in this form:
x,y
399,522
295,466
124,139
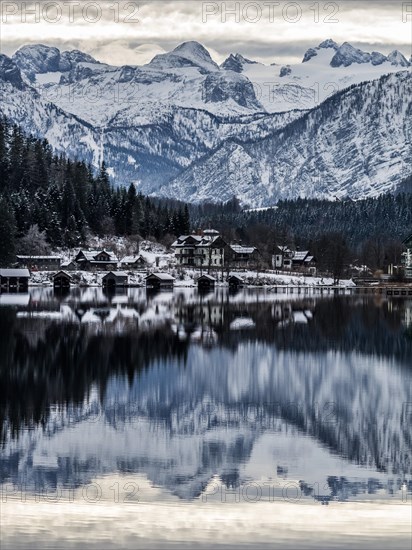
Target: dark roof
x,y
236,277
35,257
161,276
132,259
61,272
206,276
116,274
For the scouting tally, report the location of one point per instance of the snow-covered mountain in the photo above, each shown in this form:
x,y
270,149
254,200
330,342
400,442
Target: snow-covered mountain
x,y
356,144
155,122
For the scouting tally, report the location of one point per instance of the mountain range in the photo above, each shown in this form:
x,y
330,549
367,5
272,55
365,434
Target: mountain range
x,y
338,124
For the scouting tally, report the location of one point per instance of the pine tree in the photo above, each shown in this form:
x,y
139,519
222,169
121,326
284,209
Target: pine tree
x,y
7,234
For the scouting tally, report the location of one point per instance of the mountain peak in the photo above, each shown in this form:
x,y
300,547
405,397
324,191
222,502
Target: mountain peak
x,y
397,58
236,62
186,54
347,54
195,52
313,52
329,43
36,58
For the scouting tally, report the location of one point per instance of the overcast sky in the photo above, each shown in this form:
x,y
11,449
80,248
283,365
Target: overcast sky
x,y
266,31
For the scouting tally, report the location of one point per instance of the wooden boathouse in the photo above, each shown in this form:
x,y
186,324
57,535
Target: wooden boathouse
x,y
115,279
206,282
159,281
62,280
14,279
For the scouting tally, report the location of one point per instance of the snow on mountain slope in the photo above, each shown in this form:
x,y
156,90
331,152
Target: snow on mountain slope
x,y
357,144
324,71
187,54
147,142
171,139
153,121
39,59
43,119
188,77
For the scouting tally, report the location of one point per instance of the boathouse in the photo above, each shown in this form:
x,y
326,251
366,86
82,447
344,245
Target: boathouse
x,y
62,280
115,279
206,282
235,281
159,281
14,279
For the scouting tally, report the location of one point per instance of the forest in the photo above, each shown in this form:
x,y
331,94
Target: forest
x,y
64,200
55,201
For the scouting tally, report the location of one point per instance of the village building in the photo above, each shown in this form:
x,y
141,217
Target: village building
x,y
293,260
14,279
39,263
242,256
203,251
159,281
115,279
407,257
96,260
282,258
206,283
62,280
69,266
133,262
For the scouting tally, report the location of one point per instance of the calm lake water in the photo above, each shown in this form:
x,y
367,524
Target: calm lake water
x,y
227,420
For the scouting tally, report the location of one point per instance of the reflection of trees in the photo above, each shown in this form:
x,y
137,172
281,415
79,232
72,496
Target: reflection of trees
x,y
66,363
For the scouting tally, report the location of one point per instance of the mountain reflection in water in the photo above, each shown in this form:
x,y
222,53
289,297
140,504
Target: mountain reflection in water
x,y
186,389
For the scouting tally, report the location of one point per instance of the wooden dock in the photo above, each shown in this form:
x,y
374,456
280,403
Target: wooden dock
x,y
403,291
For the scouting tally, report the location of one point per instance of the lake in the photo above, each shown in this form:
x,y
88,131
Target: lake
x,y
225,420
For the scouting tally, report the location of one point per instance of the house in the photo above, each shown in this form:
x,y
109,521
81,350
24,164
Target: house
x,y
96,260
407,257
69,266
235,281
159,281
133,262
61,280
115,279
282,258
39,263
206,282
294,260
14,279
303,261
242,256
204,251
